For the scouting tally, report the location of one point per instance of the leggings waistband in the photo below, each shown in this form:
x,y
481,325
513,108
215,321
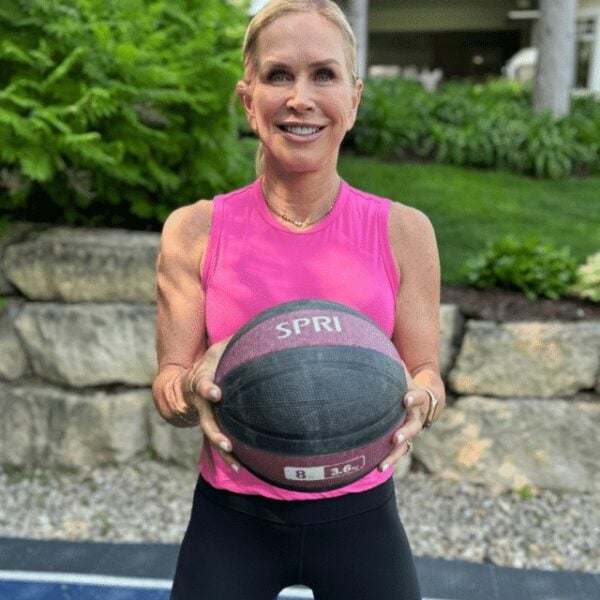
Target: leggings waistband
x,y
299,512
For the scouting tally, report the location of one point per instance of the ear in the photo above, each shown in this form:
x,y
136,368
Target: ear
x,y
244,93
356,96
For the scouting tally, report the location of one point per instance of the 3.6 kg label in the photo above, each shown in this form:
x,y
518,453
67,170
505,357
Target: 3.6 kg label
x,y
321,473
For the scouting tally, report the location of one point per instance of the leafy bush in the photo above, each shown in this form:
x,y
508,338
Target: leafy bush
x,y
489,125
116,111
528,265
393,120
587,284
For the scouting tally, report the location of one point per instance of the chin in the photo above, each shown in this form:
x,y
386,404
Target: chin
x,y
304,164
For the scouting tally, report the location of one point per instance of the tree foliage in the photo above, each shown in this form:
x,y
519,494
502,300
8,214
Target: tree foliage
x,y
115,111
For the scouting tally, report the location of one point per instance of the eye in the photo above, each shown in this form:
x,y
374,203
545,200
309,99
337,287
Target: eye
x,y
278,75
324,75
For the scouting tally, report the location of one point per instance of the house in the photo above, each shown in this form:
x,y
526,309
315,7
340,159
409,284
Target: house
x,y
467,38
470,38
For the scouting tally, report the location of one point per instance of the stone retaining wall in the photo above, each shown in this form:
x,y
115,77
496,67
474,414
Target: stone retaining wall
x,y
77,360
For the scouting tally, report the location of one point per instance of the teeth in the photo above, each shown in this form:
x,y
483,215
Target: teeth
x,y
301,130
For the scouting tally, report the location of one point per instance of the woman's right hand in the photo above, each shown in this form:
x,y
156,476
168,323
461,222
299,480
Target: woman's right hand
x,y
201,391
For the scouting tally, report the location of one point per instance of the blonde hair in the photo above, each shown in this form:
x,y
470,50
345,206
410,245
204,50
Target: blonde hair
x,y
277,8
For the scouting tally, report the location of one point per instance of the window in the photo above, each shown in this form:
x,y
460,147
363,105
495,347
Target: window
x,y
586,33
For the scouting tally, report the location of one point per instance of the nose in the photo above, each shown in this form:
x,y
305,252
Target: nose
x,y
301,98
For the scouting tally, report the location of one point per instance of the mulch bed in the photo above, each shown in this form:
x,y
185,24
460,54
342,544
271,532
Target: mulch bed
x,y
496,304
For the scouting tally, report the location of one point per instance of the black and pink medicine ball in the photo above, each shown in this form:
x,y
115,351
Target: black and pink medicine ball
x,y
312,395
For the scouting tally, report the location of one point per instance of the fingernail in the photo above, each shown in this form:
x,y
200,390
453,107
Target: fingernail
x,y
410,400
214,393
224,446
235,467
384,467
400,438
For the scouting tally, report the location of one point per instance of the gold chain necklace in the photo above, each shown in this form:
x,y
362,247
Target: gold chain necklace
x,y
297,222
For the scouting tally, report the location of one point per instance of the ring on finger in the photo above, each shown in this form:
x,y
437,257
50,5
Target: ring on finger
x,y
409,446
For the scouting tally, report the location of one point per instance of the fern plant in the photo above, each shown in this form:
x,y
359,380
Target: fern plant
x,y
115,111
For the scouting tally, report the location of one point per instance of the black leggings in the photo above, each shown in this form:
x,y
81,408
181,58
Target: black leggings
x,y
250,548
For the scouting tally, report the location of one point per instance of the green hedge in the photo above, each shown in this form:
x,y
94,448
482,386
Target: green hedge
x,y
115,111
487,125
530,265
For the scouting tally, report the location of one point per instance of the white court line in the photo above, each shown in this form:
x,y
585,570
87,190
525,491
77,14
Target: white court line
x,y
294,593
84,579
291,593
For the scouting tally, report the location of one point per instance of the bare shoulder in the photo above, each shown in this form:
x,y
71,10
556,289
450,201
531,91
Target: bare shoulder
x,y
187,227
191,220
185,235
411,232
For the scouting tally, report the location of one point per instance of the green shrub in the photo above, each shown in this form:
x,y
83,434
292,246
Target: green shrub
x,y
489,125
587,284
393,120
528,265
115,111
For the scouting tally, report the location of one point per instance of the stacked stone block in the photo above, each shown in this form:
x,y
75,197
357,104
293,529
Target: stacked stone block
x,y
77,360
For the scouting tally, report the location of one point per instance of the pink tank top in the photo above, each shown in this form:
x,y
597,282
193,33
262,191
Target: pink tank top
x,y
253,262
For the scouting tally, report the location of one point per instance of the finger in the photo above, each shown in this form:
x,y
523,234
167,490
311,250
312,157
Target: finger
x,y
218,441
210,428
211,431
417,398
200,379
229,459
397,453
200,382
412,426
209,390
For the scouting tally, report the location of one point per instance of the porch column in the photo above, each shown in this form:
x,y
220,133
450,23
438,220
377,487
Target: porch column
x,y
556,56
358,15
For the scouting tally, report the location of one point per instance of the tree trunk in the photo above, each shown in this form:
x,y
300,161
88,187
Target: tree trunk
x,y
358,15
555,73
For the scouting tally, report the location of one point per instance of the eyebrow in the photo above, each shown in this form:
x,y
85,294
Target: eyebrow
x,y
313,65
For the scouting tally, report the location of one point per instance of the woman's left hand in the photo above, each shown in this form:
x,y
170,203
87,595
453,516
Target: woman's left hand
x,y
416,401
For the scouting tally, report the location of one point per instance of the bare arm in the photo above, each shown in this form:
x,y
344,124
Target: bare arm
x,y
183,389
417,327
180,329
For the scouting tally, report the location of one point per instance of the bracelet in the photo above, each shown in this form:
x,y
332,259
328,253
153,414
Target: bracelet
x,y
433,402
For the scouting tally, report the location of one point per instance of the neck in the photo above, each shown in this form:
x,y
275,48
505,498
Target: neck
x,y
301,199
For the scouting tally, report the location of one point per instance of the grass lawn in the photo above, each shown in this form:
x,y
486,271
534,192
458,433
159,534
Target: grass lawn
x,y
468,207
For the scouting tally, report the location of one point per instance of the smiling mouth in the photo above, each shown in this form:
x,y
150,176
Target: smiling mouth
x,y
300,130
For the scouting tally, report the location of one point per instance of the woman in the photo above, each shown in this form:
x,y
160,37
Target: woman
x,y
299,231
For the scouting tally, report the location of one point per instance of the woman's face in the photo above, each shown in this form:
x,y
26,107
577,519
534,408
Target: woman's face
x,y
301,99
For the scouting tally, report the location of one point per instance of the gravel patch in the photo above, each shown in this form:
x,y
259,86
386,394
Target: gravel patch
x,y
150,502
531,529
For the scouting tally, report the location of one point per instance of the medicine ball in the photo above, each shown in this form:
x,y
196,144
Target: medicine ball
x,y
312,395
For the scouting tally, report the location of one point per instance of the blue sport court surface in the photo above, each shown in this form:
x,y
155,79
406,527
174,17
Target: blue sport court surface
x,y
57,570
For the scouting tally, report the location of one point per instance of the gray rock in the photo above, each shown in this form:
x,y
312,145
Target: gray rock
x,y
12,233
451,324
180,445
13,361
90,344
530,359
77,265
512,443
46,426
